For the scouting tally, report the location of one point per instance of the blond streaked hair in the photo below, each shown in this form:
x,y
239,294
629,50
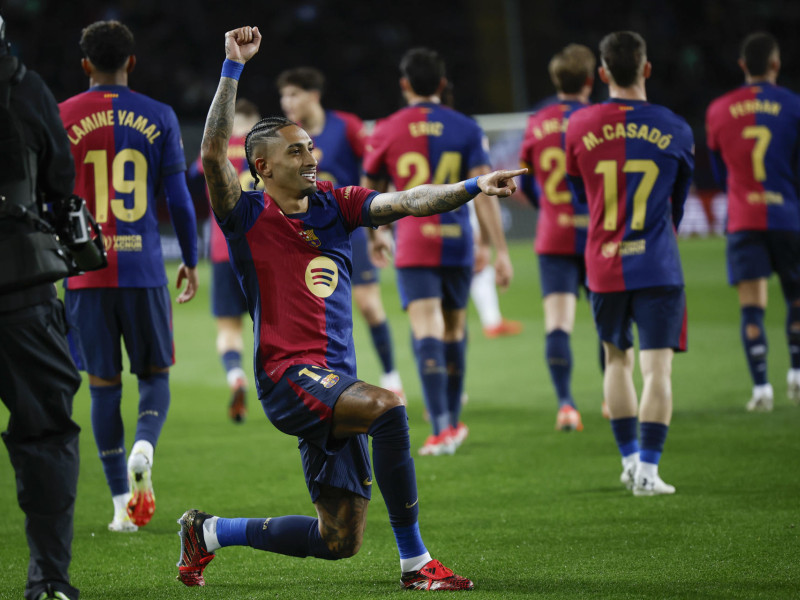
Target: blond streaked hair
x,y
571,67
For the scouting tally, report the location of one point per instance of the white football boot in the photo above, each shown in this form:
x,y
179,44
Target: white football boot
x,y
762,399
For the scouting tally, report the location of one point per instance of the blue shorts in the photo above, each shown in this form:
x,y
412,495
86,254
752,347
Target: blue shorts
x,y
562,273
757,254
227,297
659,314
99,317
301,404
451,284
364,272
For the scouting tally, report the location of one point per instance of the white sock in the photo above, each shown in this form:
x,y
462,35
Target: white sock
x,y
484,295
414,563
391,380
763,390
141,457
210,534
235,376
120,505
794,375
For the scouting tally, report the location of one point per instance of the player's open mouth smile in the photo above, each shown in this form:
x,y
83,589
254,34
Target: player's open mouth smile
x,y
310,175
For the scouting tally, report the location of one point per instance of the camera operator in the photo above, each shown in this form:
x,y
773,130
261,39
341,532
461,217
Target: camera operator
x,y
38,378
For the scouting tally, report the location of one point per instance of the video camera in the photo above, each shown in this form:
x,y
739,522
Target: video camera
x,y
33,250
79,232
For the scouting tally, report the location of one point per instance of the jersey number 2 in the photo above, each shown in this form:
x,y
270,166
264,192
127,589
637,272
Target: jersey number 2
x,y
137,184
553,161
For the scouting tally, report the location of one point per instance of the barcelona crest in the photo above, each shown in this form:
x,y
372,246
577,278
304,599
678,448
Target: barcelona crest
x,y
309,237
329,381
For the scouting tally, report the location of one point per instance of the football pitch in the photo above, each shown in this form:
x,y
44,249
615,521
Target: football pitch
x,y
523,510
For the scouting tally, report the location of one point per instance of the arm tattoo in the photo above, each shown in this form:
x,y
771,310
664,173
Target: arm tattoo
x,y
223,181
421,201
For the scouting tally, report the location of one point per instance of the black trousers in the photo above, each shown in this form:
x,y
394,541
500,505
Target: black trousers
x,y
38,381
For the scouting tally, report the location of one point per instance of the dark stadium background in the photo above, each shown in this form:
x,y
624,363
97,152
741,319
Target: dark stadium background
x,y
497,52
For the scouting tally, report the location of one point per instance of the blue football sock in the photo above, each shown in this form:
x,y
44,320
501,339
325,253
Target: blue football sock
x,y
409,541
455,354
231,359
793,333
755,349
653,436
396,477
109,435
382,340
429,353
626,435
293,535
153,406
559,360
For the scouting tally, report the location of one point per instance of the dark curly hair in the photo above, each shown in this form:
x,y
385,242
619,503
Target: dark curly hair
x,y
108,44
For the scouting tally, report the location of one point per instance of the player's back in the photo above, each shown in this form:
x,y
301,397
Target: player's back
x,y
561,222
123,143
428,143
756,131
339,147
634,158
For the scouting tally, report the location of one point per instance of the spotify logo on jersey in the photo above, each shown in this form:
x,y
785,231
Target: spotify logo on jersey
x,y
322,276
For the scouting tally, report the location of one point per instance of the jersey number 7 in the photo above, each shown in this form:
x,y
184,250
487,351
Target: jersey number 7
x,y
762,135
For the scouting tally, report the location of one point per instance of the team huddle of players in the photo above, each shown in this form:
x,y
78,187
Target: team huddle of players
x,y
609,180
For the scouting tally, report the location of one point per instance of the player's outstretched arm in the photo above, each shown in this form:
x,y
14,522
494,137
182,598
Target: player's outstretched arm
x,y
425,200
224,188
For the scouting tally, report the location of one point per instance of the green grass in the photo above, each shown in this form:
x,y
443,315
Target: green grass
x,y
525,511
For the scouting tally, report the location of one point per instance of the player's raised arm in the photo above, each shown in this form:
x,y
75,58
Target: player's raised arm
x,y
425,200
221,176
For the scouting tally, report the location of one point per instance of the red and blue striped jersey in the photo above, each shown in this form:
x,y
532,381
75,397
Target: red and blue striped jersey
x,y
123,144
633,163
428,143
755,130
339,147
295,272
562,221
238,157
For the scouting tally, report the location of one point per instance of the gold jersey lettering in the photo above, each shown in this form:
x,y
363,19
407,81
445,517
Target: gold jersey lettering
x,y
753,106
632,247
430,128
769,198
591,141
613,131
